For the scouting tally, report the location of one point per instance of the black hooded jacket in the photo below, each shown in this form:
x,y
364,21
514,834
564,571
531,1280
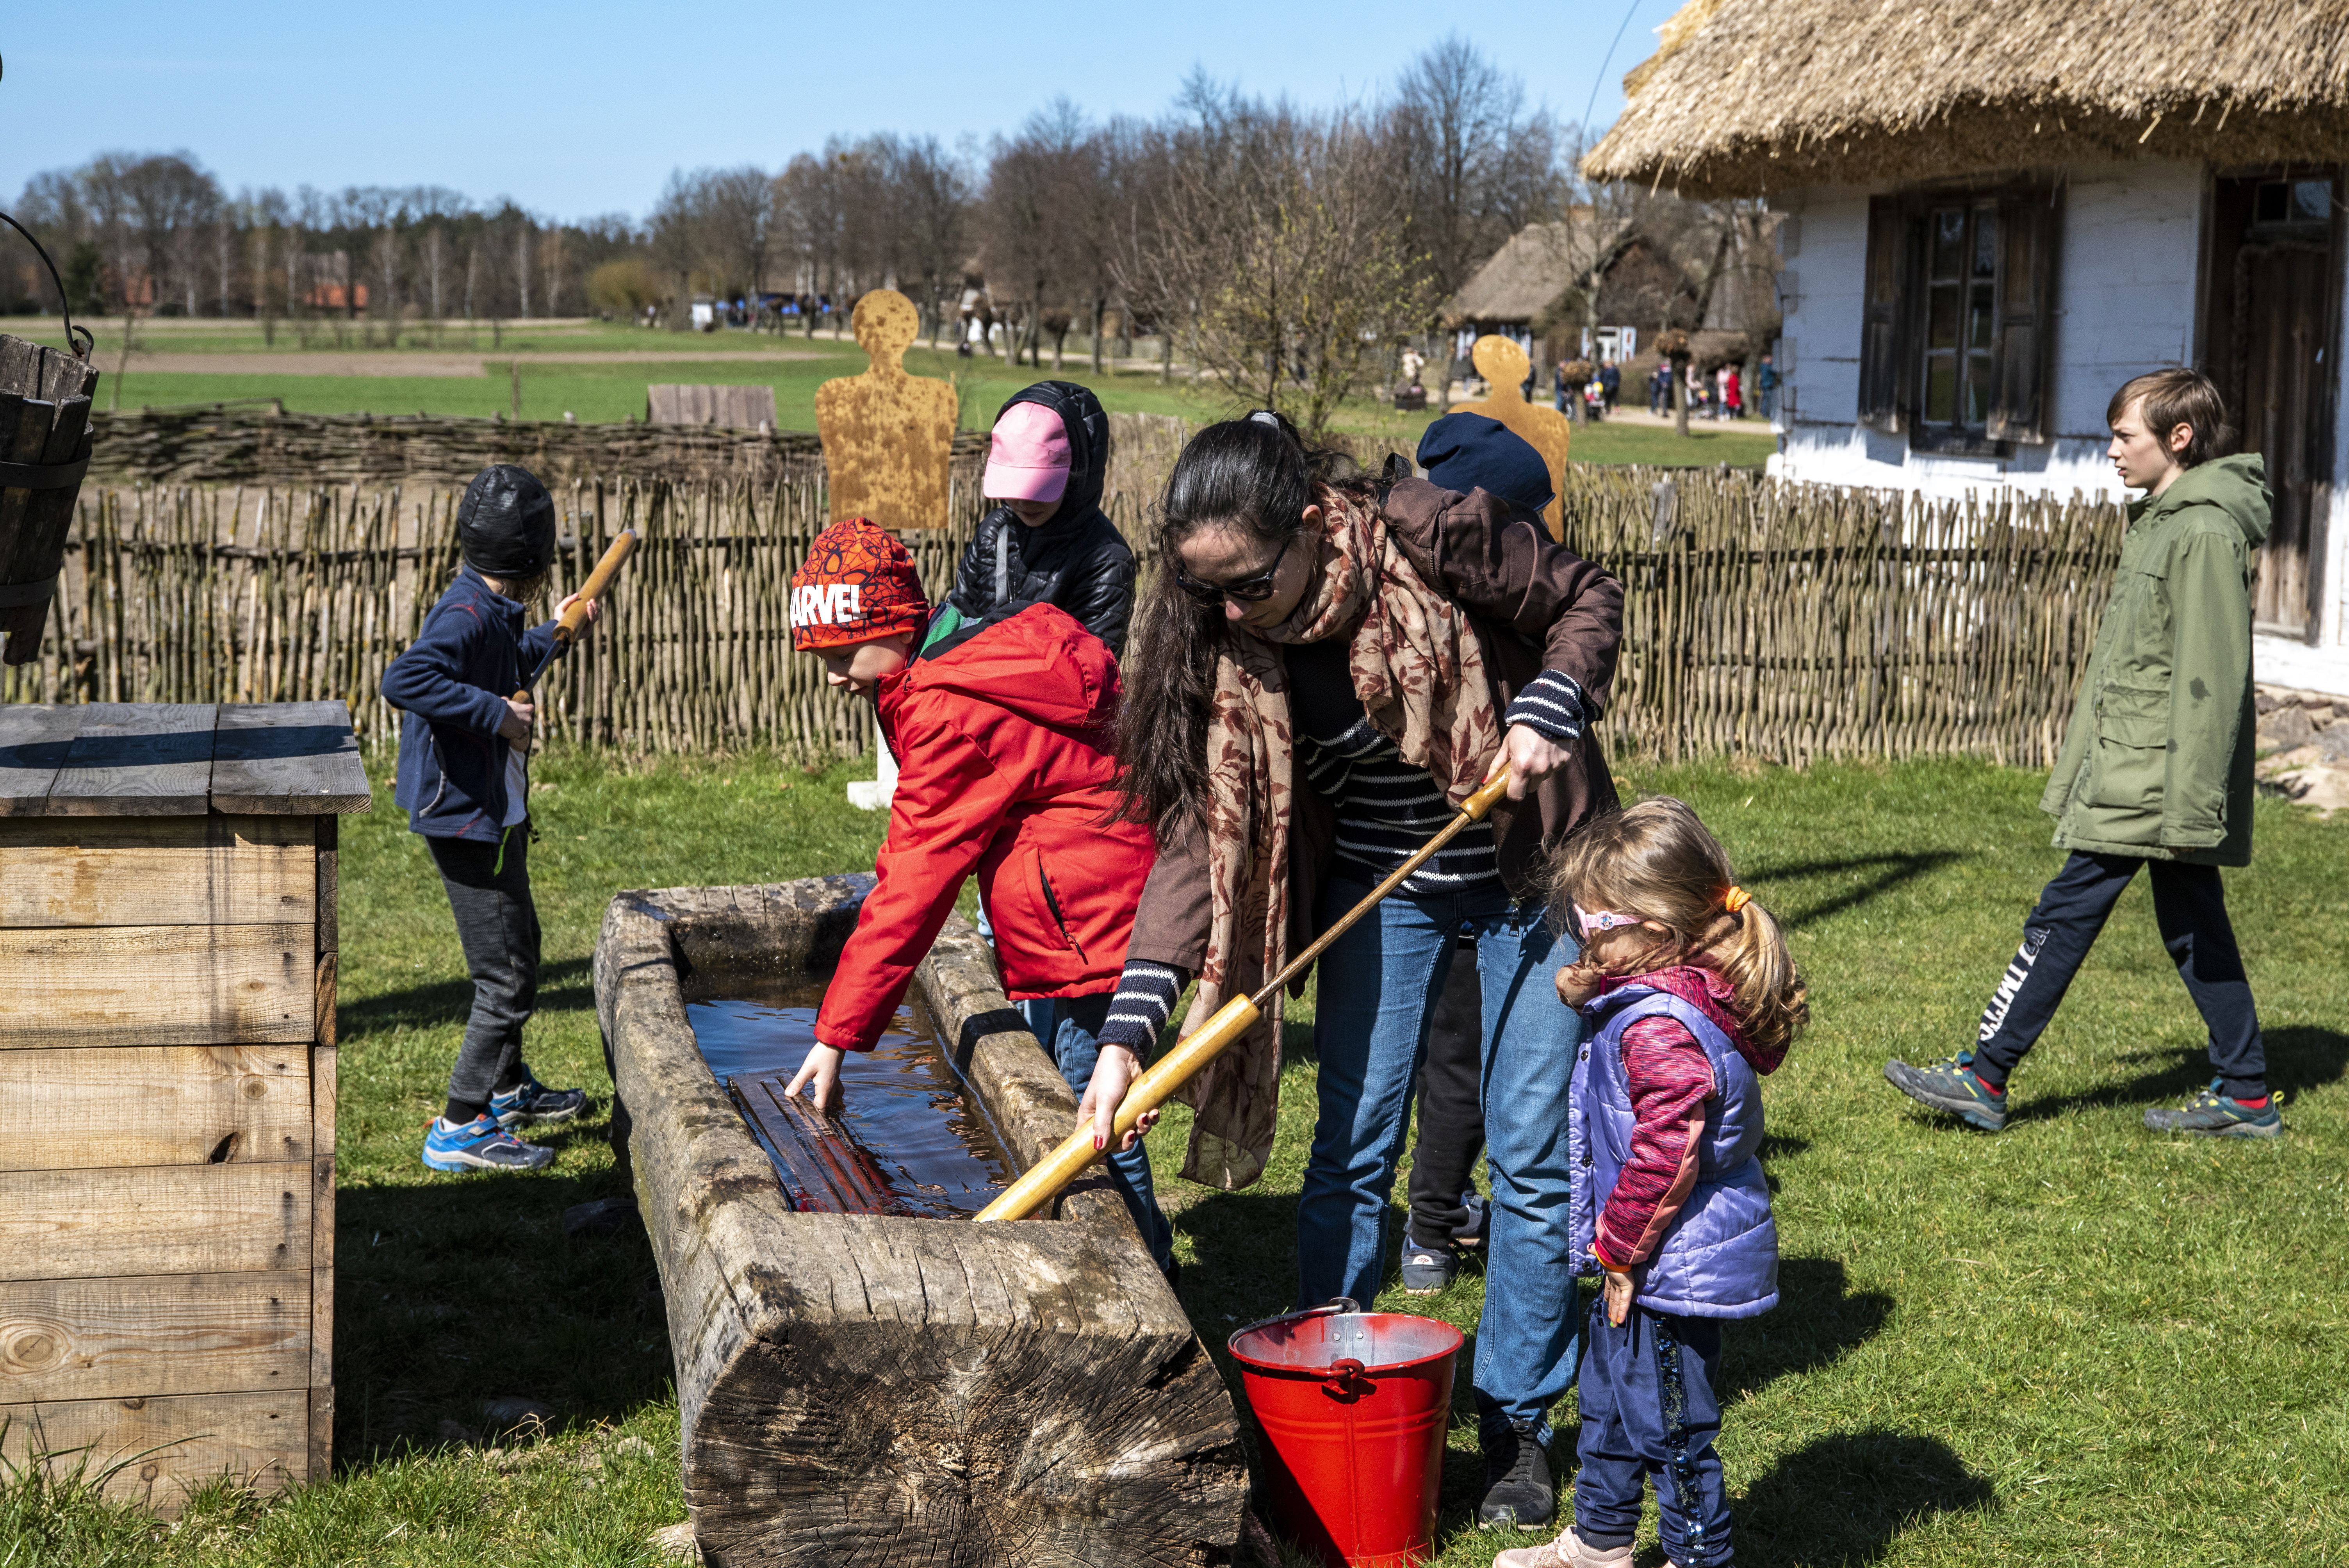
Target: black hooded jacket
x,y
1078,560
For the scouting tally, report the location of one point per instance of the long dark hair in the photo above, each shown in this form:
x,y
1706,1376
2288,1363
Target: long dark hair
x,y
1255,474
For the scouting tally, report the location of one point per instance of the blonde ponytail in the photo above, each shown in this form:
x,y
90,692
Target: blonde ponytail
x,y
1772,1001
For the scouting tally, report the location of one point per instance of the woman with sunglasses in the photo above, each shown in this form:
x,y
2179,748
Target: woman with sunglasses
x,y
1323,668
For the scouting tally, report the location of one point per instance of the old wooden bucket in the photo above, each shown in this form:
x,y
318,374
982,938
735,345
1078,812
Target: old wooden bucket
x,y
44,451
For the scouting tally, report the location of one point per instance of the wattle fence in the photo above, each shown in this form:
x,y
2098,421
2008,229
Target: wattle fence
x,y
1775,621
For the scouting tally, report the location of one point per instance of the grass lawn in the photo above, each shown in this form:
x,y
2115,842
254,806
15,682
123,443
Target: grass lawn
x,y
2073,1343
611,391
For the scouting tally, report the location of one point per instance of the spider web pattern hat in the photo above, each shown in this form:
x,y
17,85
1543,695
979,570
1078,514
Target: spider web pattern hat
x,y
856,585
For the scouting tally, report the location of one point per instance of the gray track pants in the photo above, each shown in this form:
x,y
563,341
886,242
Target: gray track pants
x,y
498,926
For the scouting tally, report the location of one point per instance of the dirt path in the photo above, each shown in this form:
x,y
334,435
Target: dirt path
x,y
440,364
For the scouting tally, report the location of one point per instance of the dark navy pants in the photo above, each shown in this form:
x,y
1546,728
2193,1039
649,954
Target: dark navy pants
x,y
2189,907
1649,1409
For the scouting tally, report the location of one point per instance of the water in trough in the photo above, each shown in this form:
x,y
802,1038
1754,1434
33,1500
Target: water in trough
x,y
908,1141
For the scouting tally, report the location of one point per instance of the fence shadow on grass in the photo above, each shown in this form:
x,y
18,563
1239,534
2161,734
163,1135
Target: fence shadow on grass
x,y
2299,1058
565,984
1846,1498
1892,870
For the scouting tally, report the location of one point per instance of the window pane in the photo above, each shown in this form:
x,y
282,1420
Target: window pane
x,y
1949,243
1941,317
1941,387
2268,203
1986,242
2312,200
1979,322
1977,388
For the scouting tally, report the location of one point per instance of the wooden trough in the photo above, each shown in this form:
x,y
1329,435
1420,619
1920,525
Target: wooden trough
x,y
864,1389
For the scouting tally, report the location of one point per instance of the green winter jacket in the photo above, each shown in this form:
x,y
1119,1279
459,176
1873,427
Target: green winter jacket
x,y
2157,759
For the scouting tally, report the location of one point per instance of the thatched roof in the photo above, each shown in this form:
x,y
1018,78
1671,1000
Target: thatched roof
x,y
1746,96
1526,276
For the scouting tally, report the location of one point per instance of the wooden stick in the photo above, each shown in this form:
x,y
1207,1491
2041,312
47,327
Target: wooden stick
x,y
598,582
1042,1182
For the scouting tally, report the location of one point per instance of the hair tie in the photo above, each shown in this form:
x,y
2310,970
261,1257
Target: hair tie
x,y
1735,899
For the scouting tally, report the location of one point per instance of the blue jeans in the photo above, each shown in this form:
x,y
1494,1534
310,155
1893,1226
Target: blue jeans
x,y
1379,987
1069,1030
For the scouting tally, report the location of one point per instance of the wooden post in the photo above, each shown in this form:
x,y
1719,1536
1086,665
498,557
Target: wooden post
x,y
168,937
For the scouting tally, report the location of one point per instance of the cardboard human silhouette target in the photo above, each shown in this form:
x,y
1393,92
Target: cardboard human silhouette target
x,y
888,435
1505,366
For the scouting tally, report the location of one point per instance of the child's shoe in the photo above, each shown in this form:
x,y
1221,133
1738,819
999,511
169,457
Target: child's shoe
x,y
1952,1086
1427,1271
2214,1115
1567,1551
480,1144
530,1100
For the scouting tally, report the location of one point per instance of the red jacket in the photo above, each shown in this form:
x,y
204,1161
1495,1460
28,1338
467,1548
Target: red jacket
x,y
1005,766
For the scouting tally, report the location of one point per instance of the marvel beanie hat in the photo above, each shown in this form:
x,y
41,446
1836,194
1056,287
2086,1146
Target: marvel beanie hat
x,y
1464,452
857,585
505,524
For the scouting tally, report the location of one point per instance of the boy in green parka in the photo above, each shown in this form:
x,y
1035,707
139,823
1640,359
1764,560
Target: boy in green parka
x,y
2155,771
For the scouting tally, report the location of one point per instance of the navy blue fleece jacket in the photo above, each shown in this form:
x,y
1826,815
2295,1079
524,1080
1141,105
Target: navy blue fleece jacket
x,y
455,678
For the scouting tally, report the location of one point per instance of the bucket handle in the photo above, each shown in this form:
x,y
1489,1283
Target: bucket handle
x,y
1346,1379
1335,1306
78,341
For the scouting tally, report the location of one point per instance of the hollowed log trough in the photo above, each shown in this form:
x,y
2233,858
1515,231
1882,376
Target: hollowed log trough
x,y
864,1389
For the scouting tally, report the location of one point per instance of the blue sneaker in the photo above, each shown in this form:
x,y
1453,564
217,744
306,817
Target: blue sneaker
x,y
530,1100
480,1144
2213,1115
1952,1086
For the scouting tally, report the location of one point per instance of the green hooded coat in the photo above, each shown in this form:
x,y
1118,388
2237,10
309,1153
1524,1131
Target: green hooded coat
x,y
2157,759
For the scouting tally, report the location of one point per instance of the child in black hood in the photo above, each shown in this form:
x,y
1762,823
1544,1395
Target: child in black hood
x,y
1049,542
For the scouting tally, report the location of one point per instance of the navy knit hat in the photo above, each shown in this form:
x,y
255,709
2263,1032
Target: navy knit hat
x,y
1468,451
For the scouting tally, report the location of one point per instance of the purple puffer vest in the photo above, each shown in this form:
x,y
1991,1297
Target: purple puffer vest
x,y
1721,1257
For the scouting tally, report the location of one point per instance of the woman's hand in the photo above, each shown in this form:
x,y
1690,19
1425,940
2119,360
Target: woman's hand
x,y
821,1070
1530,756
594,609
1113,1075
1619,1290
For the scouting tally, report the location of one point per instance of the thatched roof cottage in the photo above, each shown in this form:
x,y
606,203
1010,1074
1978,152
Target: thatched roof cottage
x,y
1997,213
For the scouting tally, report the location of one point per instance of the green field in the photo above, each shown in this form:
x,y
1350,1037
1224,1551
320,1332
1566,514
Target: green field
x,y
351,377
2075,1342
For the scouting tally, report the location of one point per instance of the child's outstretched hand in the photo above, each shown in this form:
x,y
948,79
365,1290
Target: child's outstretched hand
x,y
821,1070
594,609
1619,1296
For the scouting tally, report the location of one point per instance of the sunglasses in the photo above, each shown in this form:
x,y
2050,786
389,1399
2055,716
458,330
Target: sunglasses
x,y
1253,589
1591,922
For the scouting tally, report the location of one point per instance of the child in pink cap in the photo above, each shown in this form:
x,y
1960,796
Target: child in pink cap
x,y
1049,542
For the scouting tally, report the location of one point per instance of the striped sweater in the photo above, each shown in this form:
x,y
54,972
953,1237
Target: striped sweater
x,y
1385,808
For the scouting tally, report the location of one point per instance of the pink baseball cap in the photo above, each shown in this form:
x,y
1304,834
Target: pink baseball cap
x,y
1029,459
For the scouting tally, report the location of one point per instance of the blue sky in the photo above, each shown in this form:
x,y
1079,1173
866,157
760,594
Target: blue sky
x,y
583,108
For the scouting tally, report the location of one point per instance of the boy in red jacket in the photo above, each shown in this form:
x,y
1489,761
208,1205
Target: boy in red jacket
x,y
1003,730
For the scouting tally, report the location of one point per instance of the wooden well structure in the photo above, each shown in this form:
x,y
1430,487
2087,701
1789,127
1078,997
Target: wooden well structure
x,y
861,1390
167,1087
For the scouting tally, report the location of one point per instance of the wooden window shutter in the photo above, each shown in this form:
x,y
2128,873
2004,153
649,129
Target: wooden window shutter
x,y
1885,375
2028,224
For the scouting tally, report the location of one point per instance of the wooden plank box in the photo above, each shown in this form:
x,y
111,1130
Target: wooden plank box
x,y
167,1088
867,1388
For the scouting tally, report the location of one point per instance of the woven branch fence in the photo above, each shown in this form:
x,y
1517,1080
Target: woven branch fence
x,y
1777,621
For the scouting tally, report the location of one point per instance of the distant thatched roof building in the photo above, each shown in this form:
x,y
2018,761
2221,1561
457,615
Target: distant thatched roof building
x,y
1745,96
1525,277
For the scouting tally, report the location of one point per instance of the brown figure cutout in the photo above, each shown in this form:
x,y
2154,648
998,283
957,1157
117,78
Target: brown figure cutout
x,y
888,437
1504,367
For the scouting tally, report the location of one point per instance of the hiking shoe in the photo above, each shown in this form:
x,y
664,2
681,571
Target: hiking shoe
x,y
1569,1551
530,1100
1952,1086
1518,1490
2215,1115
1428,1270
480,1144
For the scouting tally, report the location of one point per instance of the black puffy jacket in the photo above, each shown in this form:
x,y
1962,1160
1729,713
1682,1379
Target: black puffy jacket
x,y
1077,561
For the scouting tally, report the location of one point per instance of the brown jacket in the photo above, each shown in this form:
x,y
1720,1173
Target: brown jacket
x,y
1534,605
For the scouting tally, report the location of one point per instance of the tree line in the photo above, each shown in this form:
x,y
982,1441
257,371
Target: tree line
x,y
1289,252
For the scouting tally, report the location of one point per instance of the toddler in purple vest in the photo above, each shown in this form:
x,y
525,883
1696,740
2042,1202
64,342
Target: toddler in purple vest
x,y
1691,998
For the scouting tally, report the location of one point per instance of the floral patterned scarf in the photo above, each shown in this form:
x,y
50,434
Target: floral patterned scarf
x,y
1420,672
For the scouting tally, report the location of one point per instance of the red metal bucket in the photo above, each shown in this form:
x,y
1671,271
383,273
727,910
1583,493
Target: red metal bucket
x,y
1353,1407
